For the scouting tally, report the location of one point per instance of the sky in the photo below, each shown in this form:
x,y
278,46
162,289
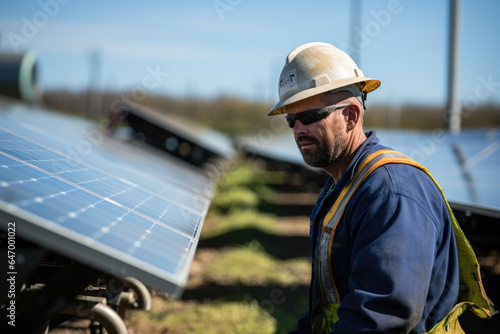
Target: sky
x,y
208,48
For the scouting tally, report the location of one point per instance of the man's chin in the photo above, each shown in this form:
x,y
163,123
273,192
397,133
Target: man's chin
x,y
308,150
309,160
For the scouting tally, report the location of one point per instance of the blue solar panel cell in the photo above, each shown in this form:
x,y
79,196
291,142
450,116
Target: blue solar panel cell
x,y
140,211
464,165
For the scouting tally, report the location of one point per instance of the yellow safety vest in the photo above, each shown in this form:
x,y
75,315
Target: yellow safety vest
x,y
473,298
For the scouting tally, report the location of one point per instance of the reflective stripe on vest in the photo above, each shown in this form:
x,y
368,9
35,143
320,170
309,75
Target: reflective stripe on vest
x,y
473,298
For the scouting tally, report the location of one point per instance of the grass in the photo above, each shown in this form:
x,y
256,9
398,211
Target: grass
x,y
238,220
215,317
251,265
273,309
235,205
242,187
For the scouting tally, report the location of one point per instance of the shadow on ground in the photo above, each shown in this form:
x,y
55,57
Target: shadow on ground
x,y
280,246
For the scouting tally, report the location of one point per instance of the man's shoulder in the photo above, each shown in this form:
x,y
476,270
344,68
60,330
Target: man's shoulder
x,y
397,181
397,194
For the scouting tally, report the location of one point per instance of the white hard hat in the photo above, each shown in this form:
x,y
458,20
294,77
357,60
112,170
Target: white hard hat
x,y
315,68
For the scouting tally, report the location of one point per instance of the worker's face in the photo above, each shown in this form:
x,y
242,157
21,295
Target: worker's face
x,y
321,142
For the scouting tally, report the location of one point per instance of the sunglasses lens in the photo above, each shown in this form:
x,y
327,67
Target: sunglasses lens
x,y
310,118
307,117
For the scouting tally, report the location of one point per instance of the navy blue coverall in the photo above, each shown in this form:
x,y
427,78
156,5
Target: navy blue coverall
x,y
393,256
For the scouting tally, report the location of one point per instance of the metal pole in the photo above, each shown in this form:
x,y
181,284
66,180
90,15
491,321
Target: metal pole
x,y
93,91
453,108
354,31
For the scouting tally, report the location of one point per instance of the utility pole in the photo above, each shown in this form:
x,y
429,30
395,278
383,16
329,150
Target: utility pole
x,y
94,103
355,23
453,108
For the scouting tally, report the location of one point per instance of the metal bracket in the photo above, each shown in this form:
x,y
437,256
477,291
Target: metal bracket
x,y
95,308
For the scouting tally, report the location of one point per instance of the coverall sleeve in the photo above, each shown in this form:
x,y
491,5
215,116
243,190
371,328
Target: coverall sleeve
x,y
393,245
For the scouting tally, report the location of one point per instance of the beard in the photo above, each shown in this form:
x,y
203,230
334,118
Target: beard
x,y
324,155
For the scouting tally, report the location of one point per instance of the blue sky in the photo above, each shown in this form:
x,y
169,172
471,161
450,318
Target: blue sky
x,y
210,47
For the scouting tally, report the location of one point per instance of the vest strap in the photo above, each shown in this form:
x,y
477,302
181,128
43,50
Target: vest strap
x,y
473,297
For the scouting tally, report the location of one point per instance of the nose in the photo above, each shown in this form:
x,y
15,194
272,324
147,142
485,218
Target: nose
x,y
299,128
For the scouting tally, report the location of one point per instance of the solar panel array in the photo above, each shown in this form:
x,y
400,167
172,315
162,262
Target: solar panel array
x,y
465,165
119,207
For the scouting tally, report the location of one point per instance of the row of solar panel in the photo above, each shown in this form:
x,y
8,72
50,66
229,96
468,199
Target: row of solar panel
x,y
79,192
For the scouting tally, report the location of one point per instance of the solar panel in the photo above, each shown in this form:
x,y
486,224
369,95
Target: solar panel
x,y
465,165
167,128
119,207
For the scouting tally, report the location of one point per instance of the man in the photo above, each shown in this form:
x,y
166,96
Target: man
x,y
383,248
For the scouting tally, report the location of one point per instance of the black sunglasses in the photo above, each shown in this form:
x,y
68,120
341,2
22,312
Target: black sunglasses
x,y
313,115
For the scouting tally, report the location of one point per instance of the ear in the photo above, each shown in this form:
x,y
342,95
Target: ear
x,y
352,114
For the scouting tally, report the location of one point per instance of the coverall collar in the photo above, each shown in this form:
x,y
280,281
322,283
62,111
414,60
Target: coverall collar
x,y
371,140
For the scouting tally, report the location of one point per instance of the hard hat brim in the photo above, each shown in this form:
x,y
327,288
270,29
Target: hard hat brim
x,y
370,85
